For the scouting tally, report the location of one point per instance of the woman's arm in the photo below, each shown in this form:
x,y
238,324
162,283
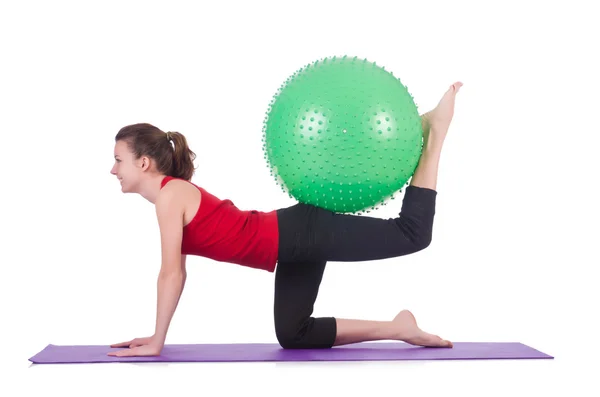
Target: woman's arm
x,y
171,279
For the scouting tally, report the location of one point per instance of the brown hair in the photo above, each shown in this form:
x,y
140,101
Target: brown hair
x,y
144,139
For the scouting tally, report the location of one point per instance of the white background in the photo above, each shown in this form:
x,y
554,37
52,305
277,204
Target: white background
x,y
515,235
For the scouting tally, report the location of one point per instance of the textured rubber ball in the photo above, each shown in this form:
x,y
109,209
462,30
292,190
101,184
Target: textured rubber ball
x,y
342,134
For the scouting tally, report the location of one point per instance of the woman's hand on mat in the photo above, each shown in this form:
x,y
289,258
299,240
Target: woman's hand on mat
x,y
148,346
134,342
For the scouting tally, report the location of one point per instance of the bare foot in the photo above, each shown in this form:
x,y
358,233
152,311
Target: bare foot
x,y
409,332
439,118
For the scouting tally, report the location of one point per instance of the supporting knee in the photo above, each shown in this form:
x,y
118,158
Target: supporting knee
x,y
289,343
288,336
310,333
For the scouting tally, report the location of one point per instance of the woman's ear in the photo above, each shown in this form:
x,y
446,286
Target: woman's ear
x,y
144,163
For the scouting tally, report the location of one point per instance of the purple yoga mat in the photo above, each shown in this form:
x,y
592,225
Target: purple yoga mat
x,y
260,352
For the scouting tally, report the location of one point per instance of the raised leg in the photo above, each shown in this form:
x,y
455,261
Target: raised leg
x,y
329,236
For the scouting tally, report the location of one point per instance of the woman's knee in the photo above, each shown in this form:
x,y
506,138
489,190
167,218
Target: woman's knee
x,y
424,239
311,333
289,342
289,335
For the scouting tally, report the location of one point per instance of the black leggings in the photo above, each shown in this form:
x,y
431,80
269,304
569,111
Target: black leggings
x,y
310,236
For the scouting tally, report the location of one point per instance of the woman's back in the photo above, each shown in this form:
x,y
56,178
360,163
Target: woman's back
x,y
219,230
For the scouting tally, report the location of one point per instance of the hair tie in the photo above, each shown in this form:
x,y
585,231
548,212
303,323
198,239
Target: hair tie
x,y
169,136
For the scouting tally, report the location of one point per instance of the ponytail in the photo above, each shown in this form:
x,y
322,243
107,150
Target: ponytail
x,y
183,158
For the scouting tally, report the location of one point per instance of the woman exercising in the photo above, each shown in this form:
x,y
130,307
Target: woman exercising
x,y
294,242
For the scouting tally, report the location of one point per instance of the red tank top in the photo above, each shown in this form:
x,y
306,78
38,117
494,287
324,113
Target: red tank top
x,y
222,232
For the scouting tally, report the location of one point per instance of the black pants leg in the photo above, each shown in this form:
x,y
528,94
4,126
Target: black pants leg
x,y
311,236
296,288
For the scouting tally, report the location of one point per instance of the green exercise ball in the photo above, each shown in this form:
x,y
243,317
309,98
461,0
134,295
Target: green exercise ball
x,y
342,134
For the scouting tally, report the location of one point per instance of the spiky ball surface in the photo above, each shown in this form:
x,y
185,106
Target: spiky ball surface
x,y
343,134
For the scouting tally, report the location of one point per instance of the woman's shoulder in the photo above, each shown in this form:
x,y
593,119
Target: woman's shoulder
x,y
177,187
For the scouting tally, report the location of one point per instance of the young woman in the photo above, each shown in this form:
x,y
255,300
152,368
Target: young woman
x,y
295,242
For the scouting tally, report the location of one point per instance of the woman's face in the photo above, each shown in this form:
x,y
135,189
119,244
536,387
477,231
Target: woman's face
x,y
127,168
